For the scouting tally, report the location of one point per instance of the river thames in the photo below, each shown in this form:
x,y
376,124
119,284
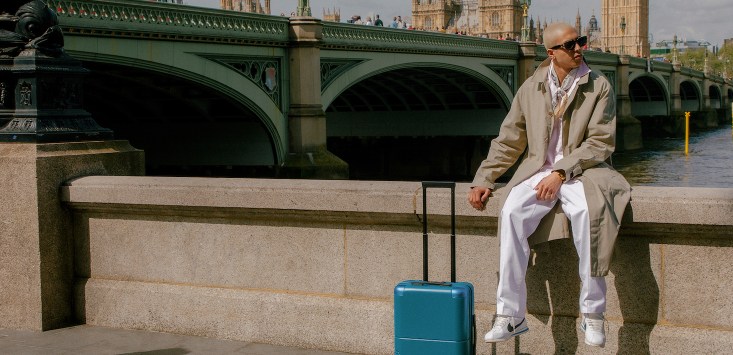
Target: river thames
x,y
662,162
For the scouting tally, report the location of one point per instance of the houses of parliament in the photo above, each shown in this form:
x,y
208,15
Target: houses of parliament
x,y
254,6
503,19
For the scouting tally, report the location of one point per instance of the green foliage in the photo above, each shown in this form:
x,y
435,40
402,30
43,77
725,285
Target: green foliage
x,y
720,64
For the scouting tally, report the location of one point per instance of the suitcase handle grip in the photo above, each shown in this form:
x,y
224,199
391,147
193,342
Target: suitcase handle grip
x,y
432,283
439,184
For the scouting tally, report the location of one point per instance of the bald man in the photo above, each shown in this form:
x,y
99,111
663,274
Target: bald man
x,y
562,124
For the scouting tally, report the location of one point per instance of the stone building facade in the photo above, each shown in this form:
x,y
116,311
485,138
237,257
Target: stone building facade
x,y
487,18
502,19
635,38
332,15
254,6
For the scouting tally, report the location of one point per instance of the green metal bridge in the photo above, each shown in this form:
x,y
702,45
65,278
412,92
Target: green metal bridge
x,y
251,93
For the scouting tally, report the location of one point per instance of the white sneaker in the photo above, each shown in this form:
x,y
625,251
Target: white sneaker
x,y
505,328
592,326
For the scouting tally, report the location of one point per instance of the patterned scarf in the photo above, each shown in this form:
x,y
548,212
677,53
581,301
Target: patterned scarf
x,y
559,92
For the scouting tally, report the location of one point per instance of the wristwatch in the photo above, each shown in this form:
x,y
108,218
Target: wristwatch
x,y
561,173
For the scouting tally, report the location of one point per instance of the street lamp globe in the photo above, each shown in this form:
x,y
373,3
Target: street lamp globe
x,y
623,32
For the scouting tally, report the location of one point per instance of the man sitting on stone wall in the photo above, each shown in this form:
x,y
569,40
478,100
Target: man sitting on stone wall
x,y
562,124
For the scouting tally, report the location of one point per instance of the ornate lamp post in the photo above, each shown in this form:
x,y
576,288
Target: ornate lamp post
x,y
40,85
525,27
706,67
623,32
675,60
304,8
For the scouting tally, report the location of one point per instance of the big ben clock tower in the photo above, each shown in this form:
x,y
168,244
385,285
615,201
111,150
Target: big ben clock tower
x,y
625,26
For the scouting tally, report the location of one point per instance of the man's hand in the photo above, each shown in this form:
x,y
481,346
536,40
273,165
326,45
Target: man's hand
x,y
549,186
478,196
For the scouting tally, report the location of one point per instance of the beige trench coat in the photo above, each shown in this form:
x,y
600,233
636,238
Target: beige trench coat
x,y
589,134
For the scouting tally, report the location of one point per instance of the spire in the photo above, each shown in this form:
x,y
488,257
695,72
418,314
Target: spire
x,y
304,8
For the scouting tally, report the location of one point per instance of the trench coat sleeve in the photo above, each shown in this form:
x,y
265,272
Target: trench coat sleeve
x,y
600,140
505,149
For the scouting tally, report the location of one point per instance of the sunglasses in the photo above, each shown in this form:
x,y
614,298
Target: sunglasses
x,y
570,45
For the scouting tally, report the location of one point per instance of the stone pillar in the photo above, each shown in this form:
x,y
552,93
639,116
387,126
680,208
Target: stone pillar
x,y
526,62
676,125
727,108
308,156
628,128
46,138
709,115
36,258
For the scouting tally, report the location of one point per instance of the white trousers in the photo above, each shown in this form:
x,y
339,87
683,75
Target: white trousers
x,y
520,217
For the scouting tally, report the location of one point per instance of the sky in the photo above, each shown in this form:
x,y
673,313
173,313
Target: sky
x,y
708,20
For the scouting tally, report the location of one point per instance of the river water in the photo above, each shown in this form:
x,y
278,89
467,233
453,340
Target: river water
x,y
663,162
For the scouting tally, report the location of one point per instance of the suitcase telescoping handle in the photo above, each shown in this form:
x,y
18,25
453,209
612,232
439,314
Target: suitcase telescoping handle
x,y
439,184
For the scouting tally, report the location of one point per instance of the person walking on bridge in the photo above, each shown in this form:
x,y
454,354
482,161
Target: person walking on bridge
x,y
562,124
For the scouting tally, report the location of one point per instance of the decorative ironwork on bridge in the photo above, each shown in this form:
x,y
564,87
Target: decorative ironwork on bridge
x,y
265,72
333,67
165,22
355,37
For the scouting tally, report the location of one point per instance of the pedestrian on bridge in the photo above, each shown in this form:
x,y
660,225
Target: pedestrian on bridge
x,y
378,22
562,125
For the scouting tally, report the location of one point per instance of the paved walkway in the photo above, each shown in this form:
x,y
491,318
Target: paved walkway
x,y
99,340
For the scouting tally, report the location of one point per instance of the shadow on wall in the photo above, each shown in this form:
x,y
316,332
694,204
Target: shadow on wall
x,y
638,294
553,287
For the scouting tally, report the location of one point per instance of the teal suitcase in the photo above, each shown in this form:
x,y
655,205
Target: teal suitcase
x,y
435,317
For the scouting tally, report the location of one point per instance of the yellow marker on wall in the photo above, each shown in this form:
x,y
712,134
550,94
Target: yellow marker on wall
x,y
687,133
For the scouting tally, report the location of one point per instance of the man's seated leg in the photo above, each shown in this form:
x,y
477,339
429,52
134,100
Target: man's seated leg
x,y
520,216
592,300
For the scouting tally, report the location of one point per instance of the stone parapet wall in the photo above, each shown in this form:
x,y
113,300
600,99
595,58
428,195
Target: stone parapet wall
x,y
313,263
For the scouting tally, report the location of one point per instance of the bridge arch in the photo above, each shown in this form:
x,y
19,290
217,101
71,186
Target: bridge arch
x,y
208,115
369,68
691,96
649,96
438,116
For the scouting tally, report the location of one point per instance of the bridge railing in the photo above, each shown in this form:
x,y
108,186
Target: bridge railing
x,y
371,38
141,19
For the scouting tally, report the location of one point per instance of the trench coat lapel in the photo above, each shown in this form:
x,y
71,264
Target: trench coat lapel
x,y
582,81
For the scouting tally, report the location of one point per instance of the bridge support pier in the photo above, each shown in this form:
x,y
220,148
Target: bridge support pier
x,y
628,128
710,118
37,257
308,156
628,133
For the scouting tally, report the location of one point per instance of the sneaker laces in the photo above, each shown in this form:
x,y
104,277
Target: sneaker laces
x,y
500,323
595,325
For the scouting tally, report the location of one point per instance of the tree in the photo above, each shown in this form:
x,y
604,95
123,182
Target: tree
x,y
724,62
720,64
